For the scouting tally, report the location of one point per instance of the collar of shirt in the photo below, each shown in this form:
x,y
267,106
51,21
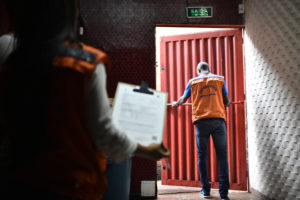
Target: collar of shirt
x,y
204,72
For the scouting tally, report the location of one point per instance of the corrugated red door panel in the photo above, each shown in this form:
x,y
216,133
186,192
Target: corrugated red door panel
x,y
179,58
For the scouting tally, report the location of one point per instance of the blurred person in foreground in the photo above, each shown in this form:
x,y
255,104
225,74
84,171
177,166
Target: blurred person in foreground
x,y
209,97
55,125
6,38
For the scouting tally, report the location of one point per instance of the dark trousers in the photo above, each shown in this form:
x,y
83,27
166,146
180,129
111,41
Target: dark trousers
x,y
217,129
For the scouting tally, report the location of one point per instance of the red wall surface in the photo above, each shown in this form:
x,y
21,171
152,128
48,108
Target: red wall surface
x,y
126,31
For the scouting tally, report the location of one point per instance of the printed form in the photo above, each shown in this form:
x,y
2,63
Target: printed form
x,y
141,116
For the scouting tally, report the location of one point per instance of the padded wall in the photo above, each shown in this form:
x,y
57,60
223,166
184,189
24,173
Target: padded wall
x,y
4,21
272,64
125,29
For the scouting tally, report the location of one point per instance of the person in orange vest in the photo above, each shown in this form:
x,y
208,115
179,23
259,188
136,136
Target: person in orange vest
x,y
55,123
209,97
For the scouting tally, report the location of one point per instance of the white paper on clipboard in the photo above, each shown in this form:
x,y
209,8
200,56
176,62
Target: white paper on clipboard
x,y
141,116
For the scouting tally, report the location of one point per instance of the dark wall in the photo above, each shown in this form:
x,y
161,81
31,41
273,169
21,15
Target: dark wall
x,y
125,30
4,21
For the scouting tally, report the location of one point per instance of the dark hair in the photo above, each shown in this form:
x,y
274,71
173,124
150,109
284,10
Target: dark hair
x,y
203,66
37,22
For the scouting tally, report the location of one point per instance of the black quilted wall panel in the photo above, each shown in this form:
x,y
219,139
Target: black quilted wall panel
x,y
4,21
125,30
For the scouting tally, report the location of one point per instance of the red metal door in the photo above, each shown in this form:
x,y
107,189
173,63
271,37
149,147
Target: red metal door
x,y
179,58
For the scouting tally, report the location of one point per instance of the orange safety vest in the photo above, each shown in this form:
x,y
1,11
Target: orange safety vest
x,y
207,97
69,163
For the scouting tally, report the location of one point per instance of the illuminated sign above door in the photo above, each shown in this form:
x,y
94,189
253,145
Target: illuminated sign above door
x,y
199,12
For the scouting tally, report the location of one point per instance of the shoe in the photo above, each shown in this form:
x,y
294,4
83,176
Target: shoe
x,y
226,198
205,194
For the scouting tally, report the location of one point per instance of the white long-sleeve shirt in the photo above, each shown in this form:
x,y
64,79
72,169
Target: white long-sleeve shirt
x,y
6,47
108,139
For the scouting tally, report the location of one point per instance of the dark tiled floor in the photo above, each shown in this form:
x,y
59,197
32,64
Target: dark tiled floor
x,y
191,193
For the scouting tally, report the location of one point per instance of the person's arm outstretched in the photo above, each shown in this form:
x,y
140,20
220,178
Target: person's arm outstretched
x,y
179,102
226,100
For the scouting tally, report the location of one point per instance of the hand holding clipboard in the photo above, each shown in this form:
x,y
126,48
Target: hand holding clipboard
x,y
140,113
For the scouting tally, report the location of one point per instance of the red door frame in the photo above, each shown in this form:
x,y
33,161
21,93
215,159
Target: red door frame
x,y
223,51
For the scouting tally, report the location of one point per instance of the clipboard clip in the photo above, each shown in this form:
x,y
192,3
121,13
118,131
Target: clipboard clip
x,y
143,88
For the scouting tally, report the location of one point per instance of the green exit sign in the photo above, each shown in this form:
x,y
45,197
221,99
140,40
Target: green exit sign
x,y
199,12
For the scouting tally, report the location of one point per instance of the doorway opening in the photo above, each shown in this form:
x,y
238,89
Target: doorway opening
x,y
178,51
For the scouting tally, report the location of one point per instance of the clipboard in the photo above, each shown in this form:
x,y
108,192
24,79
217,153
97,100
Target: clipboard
x,y
140,112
